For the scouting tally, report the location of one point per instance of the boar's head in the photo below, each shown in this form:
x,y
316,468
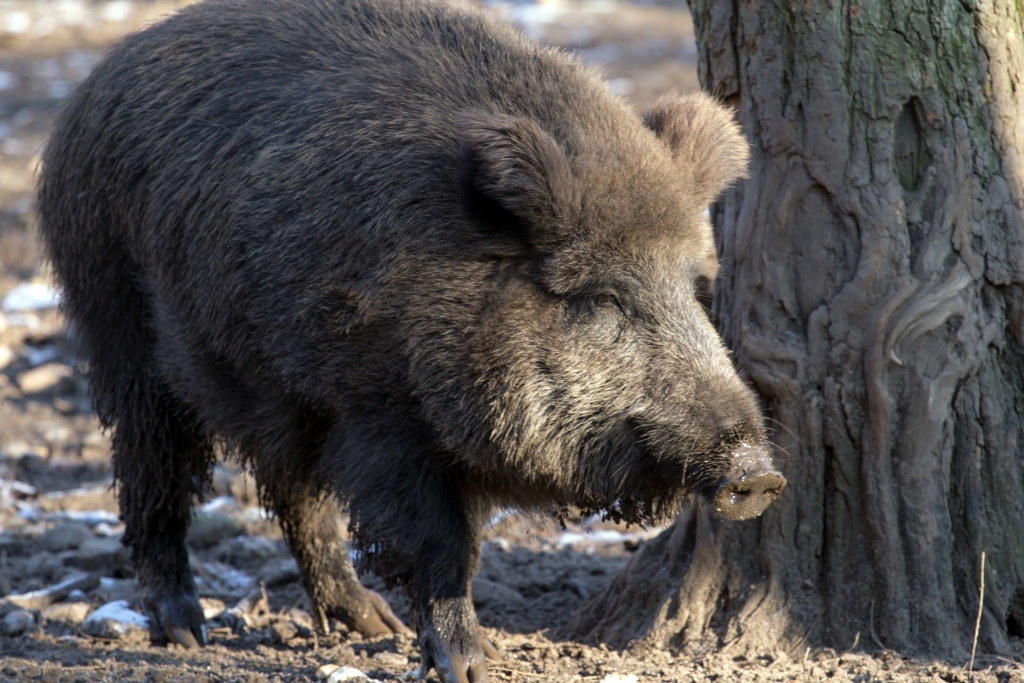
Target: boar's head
x,y
602,382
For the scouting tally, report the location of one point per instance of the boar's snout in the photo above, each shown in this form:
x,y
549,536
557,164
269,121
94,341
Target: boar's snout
x,y
751,485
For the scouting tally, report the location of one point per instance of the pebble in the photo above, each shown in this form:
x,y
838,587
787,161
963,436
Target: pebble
x,y
279,572
385,658
284,631
487,592
73,613
68,536
248,548
106,555
210,527
46,376
332,673
17,623
85,500
6,355
111,590
118,621
212,607
218,578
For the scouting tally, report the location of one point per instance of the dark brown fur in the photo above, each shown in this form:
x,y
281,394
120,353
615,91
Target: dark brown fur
x,y
392,252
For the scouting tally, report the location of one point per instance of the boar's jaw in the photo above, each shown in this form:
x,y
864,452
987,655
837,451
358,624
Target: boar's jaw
x,y
751,485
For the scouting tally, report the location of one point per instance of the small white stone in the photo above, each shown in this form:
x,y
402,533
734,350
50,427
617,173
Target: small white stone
x,y
46,376
393,659
6,355
348,673
67,612
8,80
212,607
17,623
325,671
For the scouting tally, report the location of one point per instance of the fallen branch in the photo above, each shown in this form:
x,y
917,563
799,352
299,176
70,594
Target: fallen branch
x,y
981,607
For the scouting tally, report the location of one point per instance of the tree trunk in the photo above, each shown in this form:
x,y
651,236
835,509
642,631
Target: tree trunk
x,y
873,291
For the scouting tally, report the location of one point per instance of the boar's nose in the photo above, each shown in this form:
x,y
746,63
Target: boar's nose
x,y
751,486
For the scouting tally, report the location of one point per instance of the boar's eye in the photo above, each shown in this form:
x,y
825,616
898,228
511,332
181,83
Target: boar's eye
x,y
608,300
704,289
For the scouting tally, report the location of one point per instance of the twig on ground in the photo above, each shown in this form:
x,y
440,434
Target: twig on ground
x,y
1008,660
513,671
871,623
981,607
803,639
856,639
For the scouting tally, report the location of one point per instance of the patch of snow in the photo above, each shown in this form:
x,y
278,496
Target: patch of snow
x,y
17,22
619,678
116,11
114,618
71,12
30,296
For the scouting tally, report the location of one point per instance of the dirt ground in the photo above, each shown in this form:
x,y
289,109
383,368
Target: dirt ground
x,y
60,557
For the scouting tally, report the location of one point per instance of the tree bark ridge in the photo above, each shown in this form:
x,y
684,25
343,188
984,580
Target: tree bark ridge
x,y
873,292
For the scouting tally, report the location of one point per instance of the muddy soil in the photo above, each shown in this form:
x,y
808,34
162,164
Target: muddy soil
x,y
60,556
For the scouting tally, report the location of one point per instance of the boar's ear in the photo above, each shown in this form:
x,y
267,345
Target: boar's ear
x,y
705,142
515,177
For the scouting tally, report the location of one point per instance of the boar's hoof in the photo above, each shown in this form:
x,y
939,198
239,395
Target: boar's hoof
x,y
460,662
178,619
751,486
490,651
373,617
183,637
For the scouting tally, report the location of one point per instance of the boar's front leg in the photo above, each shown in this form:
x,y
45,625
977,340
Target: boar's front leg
x,y
160,459
418,526
309,523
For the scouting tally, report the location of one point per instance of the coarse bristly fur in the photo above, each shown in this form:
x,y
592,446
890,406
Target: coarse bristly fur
x,y
392,253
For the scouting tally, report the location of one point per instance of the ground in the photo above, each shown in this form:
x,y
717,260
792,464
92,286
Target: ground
x,y
58,521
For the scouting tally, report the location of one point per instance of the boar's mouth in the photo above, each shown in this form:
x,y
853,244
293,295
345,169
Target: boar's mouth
x,y
751,485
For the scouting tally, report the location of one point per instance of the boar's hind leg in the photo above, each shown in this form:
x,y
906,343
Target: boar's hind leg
x,y
161,460
309,523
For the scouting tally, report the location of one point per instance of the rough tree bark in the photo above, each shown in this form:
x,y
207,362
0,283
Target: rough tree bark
x,y
873,292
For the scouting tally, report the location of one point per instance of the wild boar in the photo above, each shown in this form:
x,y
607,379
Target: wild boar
x,y
393,256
